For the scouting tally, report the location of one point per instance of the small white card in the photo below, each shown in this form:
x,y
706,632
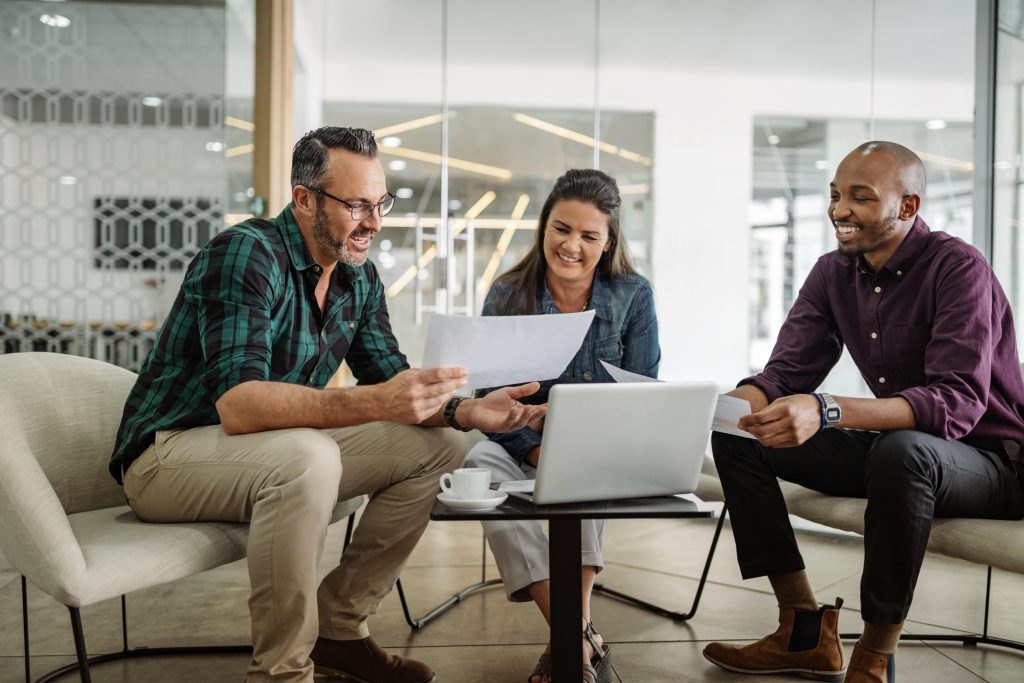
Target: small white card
x,y
727,413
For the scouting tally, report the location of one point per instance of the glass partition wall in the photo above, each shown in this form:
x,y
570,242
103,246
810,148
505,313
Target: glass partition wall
x,y
115,149
126,142
722,123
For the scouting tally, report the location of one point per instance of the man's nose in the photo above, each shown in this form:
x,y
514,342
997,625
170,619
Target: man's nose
x,y
373,221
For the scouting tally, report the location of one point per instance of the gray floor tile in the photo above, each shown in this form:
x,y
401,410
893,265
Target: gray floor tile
x,y
485,638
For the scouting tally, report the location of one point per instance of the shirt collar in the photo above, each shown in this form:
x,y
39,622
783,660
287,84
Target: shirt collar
x,y
907,253
600,298
298,252
296,247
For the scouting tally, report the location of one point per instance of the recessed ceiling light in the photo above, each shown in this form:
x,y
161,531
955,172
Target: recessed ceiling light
x,y
55,20
214,146
152,101
391,141
385,245
935,124
403,192
773,139
1002,165
397,164
68,180
821,164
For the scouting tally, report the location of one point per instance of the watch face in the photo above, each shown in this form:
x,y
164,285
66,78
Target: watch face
x,y
832,414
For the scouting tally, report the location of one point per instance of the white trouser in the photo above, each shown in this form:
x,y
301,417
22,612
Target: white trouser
x,y
520,547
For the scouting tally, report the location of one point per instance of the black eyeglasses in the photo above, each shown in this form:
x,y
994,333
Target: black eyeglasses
x,y
362,211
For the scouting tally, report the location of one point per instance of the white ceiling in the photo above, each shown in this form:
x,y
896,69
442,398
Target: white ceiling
x,y
922,39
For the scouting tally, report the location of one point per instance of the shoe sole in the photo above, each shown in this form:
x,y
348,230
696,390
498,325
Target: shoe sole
x,y
833,676
324,670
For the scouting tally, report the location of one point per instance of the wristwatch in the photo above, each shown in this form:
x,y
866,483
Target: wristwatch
x,y
831,413
449,413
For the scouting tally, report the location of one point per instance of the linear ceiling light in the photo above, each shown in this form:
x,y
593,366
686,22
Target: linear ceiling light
x,y
461,164
946,161
568,134
240,150
241,124
639,188
411,125
502,246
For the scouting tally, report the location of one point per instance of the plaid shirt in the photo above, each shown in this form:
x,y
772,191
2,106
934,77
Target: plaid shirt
x,y
247,311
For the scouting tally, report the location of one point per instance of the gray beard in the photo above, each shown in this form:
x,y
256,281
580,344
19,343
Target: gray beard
x,y
329,243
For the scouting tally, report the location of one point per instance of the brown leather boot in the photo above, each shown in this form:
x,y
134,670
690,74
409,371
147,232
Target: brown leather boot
x,y
363,661
806,644
868,666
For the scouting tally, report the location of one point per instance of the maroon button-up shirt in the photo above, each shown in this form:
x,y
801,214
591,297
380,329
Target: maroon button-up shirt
x,y
932,326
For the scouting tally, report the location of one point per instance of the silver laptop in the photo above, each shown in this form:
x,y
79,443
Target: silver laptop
x,y
607,441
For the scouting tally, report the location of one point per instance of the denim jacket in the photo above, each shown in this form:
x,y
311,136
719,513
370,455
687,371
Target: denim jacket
x,y
624,333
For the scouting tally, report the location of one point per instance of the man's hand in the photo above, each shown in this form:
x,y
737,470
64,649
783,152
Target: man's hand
x,y
500,410
787,422
412,396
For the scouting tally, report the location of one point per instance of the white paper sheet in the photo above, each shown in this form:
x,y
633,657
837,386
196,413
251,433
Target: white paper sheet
x,y
625,376
505,349
517,485
728,410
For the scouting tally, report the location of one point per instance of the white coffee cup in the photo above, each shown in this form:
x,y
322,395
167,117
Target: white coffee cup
x,y
468,483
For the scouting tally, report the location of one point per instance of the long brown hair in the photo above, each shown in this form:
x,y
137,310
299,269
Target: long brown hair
x,y
524,280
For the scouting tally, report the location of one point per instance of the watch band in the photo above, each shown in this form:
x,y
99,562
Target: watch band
x,y
831,413
449,413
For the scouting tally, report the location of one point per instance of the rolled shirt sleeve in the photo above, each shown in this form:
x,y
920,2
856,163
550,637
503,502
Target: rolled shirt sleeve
x,y
230,287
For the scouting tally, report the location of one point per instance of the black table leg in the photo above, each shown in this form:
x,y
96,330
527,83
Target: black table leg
x,y
565,549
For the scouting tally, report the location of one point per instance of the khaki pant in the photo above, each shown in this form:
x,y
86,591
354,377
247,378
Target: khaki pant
x,y
285,484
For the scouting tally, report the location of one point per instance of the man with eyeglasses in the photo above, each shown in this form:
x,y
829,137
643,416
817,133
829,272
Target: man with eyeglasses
x,y
231,418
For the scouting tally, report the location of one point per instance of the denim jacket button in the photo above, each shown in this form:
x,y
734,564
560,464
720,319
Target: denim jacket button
x,y
588,375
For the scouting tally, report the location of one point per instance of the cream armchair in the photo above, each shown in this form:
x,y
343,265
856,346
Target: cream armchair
x,y
66,527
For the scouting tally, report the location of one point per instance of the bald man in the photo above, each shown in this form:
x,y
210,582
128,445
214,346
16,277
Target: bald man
x,y
931,332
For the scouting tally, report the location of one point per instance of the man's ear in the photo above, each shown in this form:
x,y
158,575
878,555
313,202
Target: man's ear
x,y
909,205
304,199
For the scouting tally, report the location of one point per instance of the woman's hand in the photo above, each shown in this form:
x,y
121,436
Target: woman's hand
x,y
500,410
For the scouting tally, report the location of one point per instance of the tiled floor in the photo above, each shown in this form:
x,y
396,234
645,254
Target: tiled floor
x,y
488,640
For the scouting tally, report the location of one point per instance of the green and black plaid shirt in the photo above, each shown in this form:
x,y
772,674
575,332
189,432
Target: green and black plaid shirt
x,y
247,311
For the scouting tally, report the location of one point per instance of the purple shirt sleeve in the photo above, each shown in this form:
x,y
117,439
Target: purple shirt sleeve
x,y
808,344
958,357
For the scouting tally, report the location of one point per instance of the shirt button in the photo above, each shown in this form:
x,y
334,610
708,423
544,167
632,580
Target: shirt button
x,y
316,269
323,334
874,335
881,380
588,375
878,289
899,272
352,326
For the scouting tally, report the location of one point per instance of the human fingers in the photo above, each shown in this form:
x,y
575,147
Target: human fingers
x,y
522,390
441,375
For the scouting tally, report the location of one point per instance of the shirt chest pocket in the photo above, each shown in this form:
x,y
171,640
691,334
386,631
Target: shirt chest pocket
x,y
904,350
610,351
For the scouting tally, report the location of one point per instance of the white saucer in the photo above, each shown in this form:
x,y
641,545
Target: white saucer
x,y
495,499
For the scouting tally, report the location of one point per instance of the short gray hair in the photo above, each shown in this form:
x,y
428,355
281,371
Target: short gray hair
x,y
310,159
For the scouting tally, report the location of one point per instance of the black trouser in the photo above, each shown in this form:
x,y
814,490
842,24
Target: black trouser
x,y
908,478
